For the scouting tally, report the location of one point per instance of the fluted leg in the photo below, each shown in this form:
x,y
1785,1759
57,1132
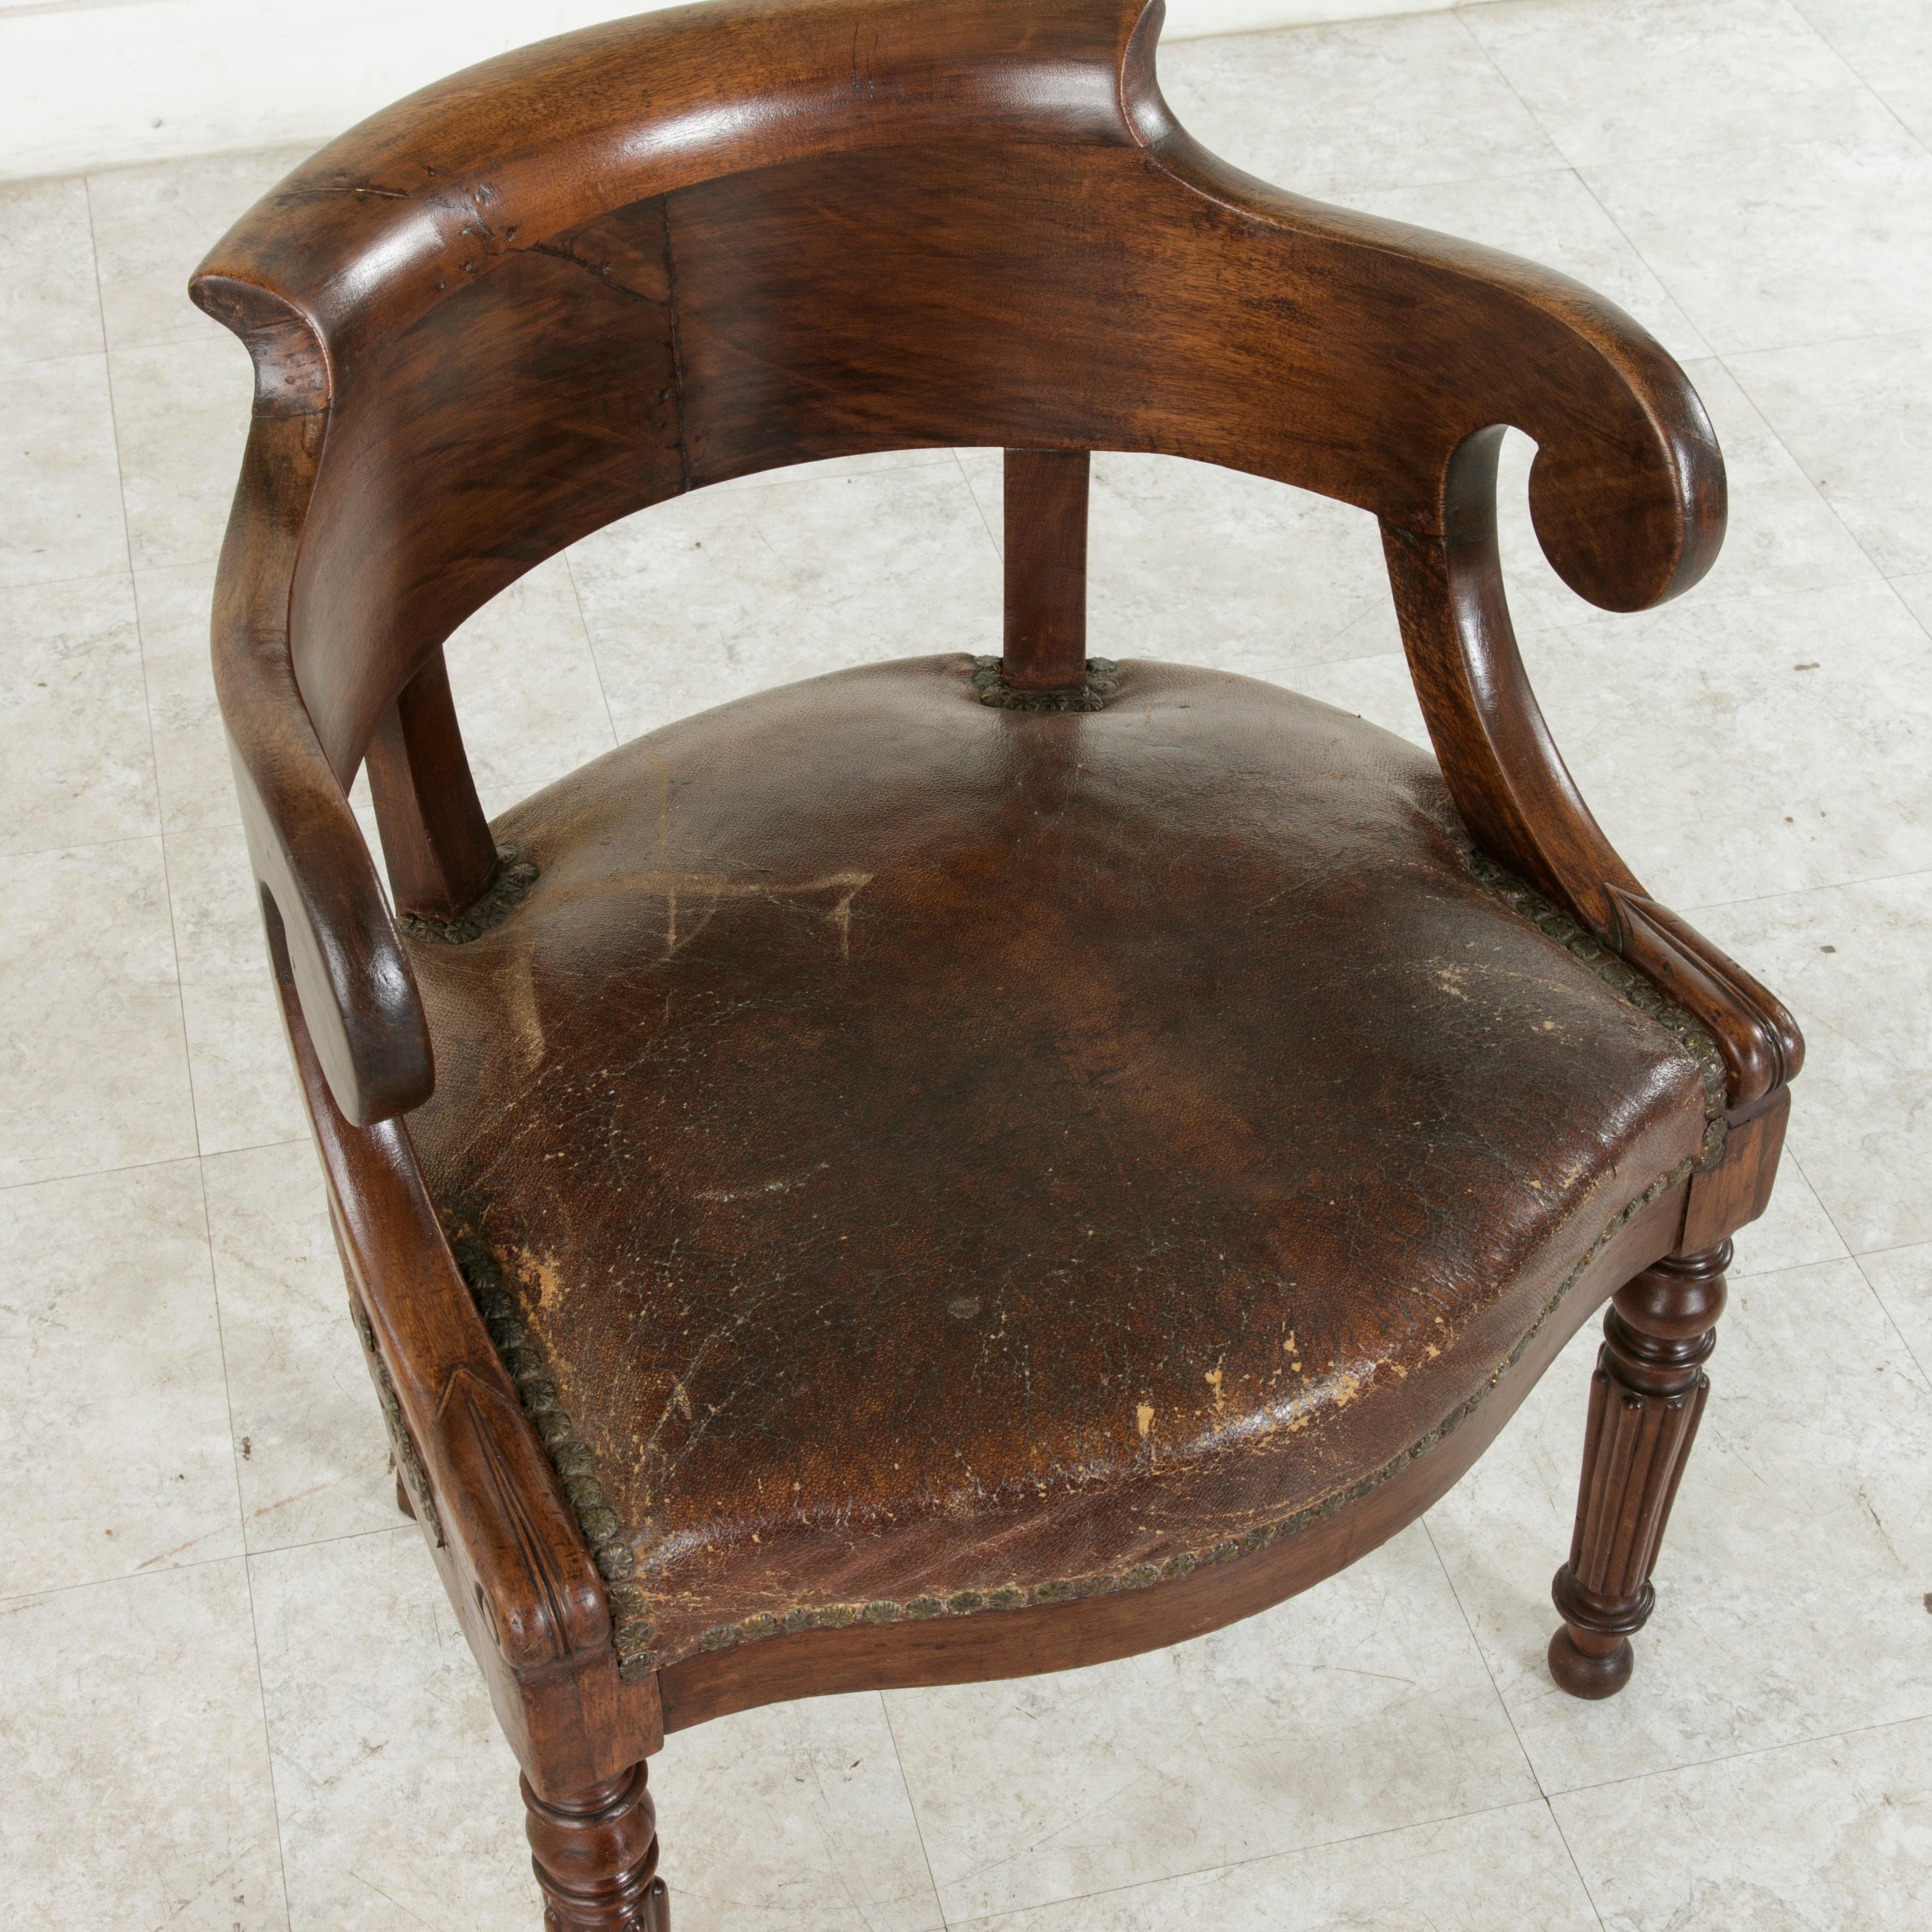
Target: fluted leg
x,y
596,1857
1645,1400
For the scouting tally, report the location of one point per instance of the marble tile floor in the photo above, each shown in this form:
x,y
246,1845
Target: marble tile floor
x,y
231,1693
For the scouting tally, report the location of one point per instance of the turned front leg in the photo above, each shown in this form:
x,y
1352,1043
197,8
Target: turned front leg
x,y
596,1857
1645,1400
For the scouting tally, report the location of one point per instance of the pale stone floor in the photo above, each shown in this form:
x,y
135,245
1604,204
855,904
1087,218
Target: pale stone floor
x,y
231,1693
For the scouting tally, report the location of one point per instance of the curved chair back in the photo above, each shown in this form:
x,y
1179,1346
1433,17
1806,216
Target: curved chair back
x,y
589,276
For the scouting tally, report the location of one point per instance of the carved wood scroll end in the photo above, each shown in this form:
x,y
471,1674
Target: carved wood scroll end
x,y
1630,983
1759,1040
631,1630
561,1610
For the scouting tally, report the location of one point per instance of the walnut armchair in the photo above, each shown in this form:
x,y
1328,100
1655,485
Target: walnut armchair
x,y
967,1166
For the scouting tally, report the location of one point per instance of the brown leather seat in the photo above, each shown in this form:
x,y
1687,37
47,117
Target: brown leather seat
x,y
939,1158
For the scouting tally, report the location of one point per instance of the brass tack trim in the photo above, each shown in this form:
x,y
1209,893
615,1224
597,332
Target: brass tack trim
x,y
1102,684
402,1444
1627,983
570,1456
1185,1563
510,880
631,1636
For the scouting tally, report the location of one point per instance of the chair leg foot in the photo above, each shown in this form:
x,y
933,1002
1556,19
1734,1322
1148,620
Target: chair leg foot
x,y
1645,1400
1580,1668
596,1856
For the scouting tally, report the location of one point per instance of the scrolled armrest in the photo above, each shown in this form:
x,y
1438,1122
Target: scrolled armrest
x,y
1515,794
1400,345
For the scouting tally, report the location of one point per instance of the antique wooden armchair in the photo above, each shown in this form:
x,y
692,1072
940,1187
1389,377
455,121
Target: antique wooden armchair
x,y
961,1167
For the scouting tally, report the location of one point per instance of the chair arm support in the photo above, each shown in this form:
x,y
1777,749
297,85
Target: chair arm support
x,y
524,1585
1762,1048
1516,795
501,1504
1399,345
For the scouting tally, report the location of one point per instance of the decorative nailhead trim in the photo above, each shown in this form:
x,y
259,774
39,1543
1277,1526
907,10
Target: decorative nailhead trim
x,y
512,879
1629,984
632,1631
1102,684
402,1444
1184,1563
570,1455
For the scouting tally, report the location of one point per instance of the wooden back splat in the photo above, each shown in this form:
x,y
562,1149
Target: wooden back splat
x,y
1045,641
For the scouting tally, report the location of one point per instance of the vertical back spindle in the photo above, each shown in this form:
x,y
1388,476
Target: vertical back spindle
x,y
435,838
1046,647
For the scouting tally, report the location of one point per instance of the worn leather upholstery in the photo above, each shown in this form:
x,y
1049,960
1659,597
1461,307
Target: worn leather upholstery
x,y
945,1155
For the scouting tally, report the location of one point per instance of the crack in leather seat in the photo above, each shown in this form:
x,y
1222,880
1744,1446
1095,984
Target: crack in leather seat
x,y
942,1156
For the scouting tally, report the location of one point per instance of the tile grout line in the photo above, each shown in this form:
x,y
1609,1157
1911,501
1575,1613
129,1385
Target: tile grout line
x,y
1831,1260
1482,1656
1569,1852
1858,1261
1307,1851
244,1555
1592,622
590,645
79,576
167,1160
1891,1321
912,1805
1800,892
1603,625
1844,60
1751,1751
1509,1716
180,994
141,649
126,838
986,522
1815,341
241,1524
1864,550
1866,1254
1789,1153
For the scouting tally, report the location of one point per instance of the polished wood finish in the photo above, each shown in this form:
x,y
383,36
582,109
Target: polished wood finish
x,y
667,252
526,1591
1181,308
1646,1399
596,1856
1045,647
1514,791
435,838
